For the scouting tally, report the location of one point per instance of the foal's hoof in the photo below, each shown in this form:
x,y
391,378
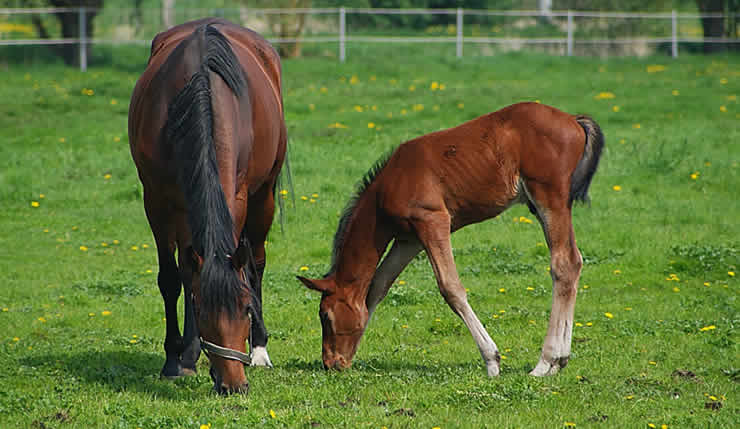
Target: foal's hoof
x,y
544,368
260,357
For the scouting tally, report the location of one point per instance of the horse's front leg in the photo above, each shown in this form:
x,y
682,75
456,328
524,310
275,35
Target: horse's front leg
x,y
261,209
191,352
434,233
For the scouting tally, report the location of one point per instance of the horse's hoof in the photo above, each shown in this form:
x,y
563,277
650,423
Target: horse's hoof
x,y
545,368
260,357
187,372
171,371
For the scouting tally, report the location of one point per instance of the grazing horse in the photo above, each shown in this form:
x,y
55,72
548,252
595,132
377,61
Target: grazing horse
x,y
436,184
208,138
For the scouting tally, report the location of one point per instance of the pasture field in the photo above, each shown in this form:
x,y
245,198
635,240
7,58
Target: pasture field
x,y
656,339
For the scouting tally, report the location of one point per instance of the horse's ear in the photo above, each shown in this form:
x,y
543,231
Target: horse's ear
x,y
240,257
321,285
195,260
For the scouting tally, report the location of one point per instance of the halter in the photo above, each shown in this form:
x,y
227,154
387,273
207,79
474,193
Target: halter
x,y
210,348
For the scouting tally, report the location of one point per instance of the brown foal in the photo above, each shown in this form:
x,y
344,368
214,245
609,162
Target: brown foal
x,y
438,183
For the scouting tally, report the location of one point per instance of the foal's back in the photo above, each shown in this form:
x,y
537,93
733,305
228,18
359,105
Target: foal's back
x,y
478,169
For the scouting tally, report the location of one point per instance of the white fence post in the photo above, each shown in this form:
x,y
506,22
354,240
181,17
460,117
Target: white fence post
x,y
342,35
459,42
83,39
674,34
570,33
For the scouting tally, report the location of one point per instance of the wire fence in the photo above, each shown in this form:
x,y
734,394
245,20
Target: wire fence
x,y
475,32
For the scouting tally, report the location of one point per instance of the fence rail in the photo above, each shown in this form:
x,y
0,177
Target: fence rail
x,y
342,36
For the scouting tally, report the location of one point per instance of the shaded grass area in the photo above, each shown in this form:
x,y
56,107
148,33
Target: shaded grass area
x,y
655,340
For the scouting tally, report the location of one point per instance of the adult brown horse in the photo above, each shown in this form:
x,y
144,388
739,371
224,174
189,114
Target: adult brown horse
x,y
438,183
208,137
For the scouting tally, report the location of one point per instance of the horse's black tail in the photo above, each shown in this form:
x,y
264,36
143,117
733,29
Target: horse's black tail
x,y
189,133
581,178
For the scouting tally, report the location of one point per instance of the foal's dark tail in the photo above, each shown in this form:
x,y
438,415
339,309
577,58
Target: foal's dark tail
x,y
586,168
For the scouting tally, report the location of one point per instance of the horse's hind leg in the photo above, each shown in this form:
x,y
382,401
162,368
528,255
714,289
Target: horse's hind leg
x,y
434,232
565,269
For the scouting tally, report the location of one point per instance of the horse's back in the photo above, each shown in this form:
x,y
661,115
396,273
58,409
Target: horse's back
x,y
474,170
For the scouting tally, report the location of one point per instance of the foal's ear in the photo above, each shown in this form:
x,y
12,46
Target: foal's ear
x,y
195,260
321,285
240,257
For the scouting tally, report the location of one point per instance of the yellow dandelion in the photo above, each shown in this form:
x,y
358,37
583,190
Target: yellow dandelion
x,y
312,107
314,195
460,105
604,96
530,288
16,339
304,198
91,314
83,248
627,308
675,289
628,397
617,188
579,324
586,286
323,90
708,328
116,241
105,313
107,176
371,125
434,86
675,92
358,109
707,284
723,81
405,326
5,309
652,362
723,109
502,290
133,341
404,111
617,272
655,68
694,175
731,273
636,126
42,320
401,282
304,268
311,200
412,88
353,80
35,204
134,248
62,140
712,397
373,78
615,108
569,424
589,324
609,315
337,125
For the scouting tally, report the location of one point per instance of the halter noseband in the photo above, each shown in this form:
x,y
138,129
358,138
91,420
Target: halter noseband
x,y
224,352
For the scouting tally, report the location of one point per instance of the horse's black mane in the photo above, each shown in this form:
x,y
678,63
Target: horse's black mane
x,y
349,209
189,132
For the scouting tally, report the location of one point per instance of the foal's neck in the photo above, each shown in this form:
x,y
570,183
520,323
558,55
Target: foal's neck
x,y
365,241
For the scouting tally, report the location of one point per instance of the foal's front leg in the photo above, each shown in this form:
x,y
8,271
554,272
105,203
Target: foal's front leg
x,y
434,233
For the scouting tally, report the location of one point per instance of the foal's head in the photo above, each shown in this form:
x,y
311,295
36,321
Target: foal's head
x,y
223,309
344,316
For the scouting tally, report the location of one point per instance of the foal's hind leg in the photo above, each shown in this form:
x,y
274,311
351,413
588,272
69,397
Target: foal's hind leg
x,y
565,269
434,233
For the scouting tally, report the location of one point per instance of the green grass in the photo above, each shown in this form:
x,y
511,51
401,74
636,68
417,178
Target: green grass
x,y
65,363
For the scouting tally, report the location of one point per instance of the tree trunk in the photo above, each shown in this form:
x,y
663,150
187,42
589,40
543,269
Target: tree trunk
x,y
713,27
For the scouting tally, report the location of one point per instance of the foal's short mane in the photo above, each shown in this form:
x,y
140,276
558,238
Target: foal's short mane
x,y
349,209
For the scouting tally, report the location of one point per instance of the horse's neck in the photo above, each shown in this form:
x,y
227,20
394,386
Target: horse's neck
x,y
364,244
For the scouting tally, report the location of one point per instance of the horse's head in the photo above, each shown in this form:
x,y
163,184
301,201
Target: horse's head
x,y
343,317
223,311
